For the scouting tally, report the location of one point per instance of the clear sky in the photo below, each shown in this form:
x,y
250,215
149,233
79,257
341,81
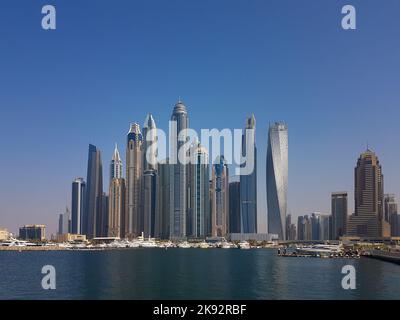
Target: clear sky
x,y
109,63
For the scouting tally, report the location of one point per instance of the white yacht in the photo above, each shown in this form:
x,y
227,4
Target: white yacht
x,y
244,245
227,245
184,245
150,243
16,243
204,245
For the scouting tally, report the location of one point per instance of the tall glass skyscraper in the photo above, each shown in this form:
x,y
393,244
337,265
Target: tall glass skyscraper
x,y
178,174
150,176
163,201
133,214
277,179
94,194
248,182
77,205
234,207
220,198
339,214
199,220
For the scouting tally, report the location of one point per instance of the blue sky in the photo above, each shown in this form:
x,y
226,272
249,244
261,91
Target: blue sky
x,y
109,63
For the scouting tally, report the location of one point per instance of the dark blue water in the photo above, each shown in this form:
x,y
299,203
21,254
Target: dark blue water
x,y
191,274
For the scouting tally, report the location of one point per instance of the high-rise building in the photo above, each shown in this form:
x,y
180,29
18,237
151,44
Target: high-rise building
x,y
315,226
149,146
291,231
94,194
150,176
391,213
116,200
248,181
60,224
34,232
199,219
220,198
77,205
304,228
324,227
103,221
133,215
178,173
339,214
234,207
277,179
163,201
149,202
368,219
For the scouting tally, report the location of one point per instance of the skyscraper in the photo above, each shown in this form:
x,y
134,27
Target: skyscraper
x,y
220,198
178,173
391,214
94,194
339,214
150,176
199,218
324,227
248,182
133,214
103,221
368,219
315,225
149,147
116,201
291,230
116,165
234,207
77,205
277,179
163,201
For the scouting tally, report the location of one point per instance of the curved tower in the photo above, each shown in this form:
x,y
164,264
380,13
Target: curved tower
x,y
277,179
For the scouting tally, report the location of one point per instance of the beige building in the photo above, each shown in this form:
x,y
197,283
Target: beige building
x,y
116,209
69,237
4,234
368,220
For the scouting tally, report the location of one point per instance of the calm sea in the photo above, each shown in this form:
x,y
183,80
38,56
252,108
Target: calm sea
x,y
191,274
